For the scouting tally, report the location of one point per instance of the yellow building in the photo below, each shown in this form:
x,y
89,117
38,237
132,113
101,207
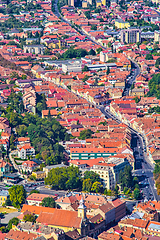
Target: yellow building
x,y
98,3
36,69
156,36
56,44
3,196
84,4
119,23
138,92
39,175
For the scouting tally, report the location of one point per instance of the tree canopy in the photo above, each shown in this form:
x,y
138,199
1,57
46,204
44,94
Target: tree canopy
x,y
154,86
70,178
48,202
13,221
74,53
125,177
149,56
86,133
29,218
64,178
89,179
17,195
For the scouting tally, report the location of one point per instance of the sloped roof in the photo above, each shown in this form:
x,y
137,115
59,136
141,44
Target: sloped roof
x,y
60,217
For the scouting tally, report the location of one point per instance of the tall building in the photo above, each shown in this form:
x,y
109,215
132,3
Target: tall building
x,y
71,3
156,36
131,35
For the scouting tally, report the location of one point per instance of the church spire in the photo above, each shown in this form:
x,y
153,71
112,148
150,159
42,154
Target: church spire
x,y
82,209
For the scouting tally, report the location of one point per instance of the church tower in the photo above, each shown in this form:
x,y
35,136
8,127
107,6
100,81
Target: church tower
x,y
82,209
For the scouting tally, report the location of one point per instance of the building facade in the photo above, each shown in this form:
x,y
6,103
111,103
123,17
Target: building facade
x,y
131,35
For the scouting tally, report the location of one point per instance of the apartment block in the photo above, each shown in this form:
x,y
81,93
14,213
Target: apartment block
x,y
131,35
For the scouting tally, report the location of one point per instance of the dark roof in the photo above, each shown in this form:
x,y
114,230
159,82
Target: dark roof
x,y
3,86
76,126
97,219
14,30
29,80
72,235
106,207
11,175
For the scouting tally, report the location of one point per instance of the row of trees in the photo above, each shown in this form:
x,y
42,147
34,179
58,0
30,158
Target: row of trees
x,y
74,53
156,174
128,183
154,86
78,53
70,179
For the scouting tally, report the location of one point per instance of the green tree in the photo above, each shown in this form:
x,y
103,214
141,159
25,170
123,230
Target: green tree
x,y
85,69
97,187
44,105
94,177
8,202
24,76
125,177
98,50
49,115
48,202
132,86
108,192
12,138
29,218
47,51
17,195
93,27
74,53
34,191
137,99
136,193
86,133
87,185
14,75
157,63
149,56
21,130
13,221
64,178
88,14
85,78
135,180
153,84
39,107
125,190
116,189
92,52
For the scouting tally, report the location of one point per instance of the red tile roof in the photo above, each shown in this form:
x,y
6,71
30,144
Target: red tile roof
x,y
60,217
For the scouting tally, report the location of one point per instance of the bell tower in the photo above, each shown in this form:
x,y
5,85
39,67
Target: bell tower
x,y
82,209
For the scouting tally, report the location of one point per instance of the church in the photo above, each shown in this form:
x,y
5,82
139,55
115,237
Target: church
x,y
73,220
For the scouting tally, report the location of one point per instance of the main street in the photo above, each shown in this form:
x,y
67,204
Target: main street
x,y
142,161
